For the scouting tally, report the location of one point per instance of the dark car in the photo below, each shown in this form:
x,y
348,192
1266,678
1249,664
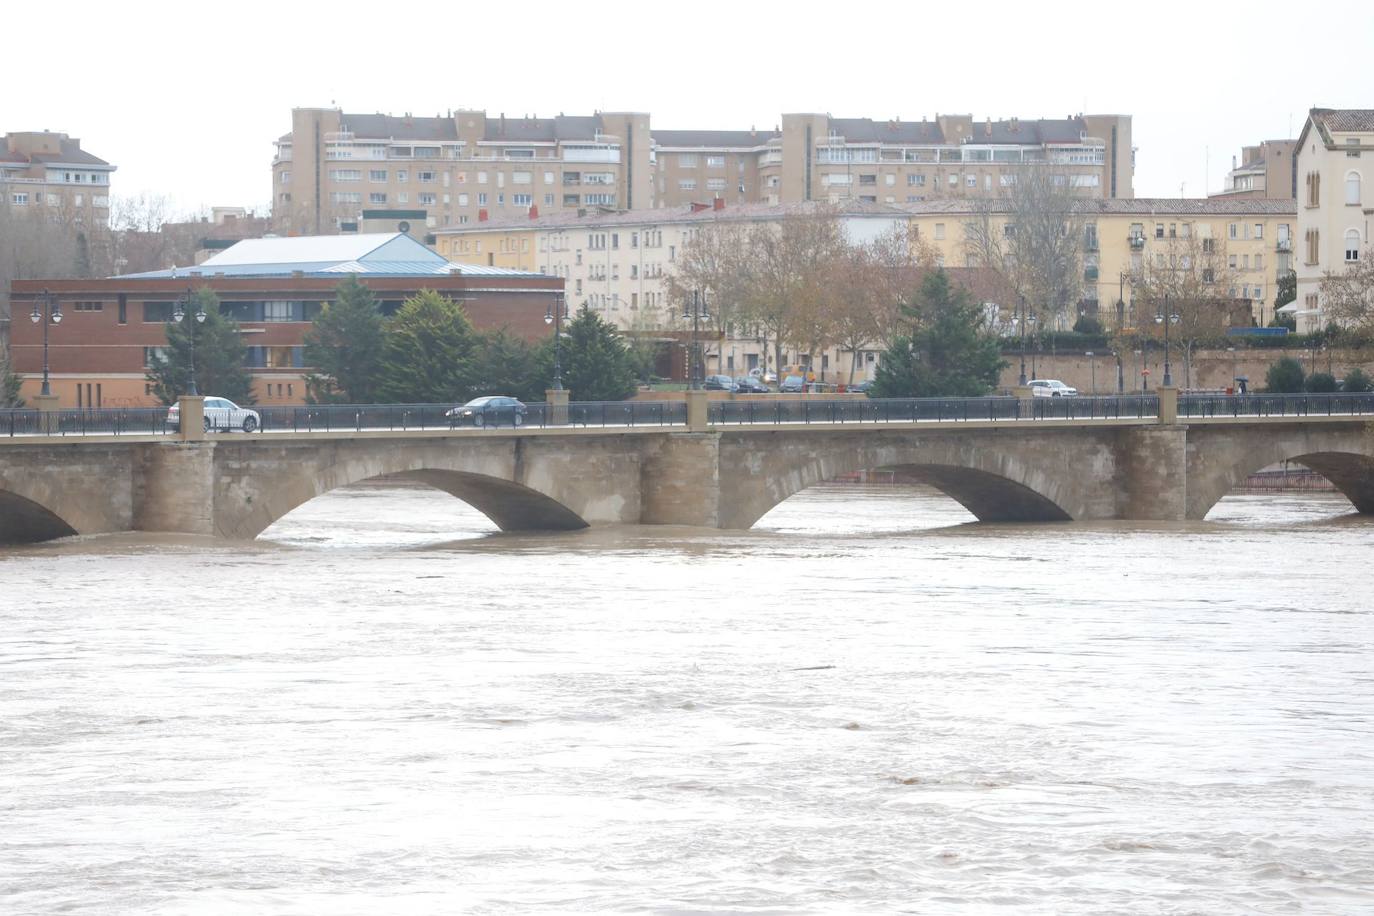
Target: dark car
x,y
793,383
719,383
862,386
492,410
748,384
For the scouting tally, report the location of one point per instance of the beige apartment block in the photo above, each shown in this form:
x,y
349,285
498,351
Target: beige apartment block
x,y
1268,171
42,172
337,172
1122,237
620,264
1336,166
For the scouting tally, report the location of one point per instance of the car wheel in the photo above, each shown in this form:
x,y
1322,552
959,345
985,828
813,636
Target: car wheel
x,y
250,424
206,423
478,420
1055,395
519,420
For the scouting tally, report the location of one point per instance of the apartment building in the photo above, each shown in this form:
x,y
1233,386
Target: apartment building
x,y
48,173
1252,238
1268,171
338,172
335,169
1336,161
620,264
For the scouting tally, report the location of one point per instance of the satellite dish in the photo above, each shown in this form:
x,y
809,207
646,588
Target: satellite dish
x,y
403,226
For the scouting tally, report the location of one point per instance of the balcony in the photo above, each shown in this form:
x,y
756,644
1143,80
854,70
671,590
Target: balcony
x,y
1090,243
1284,245
1137,242
1090,273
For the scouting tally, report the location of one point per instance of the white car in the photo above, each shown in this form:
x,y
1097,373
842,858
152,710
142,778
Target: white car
x,y
220,413
1051,388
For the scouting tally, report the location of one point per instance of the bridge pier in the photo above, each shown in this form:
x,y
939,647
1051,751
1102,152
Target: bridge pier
x,y
1152,473
679,480
174,487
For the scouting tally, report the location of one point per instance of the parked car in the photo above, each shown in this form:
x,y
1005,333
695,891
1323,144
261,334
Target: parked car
x,y
763,375
804,371
748,384
220,413
1051,388
719,383
862,386
793,384
492,410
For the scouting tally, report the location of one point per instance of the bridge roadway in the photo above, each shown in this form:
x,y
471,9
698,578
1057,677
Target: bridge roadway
x,y
560,477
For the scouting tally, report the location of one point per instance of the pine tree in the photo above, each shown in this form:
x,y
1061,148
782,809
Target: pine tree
x,y
220,355
950,354
9,385
597,366
345,345
507,365
430,353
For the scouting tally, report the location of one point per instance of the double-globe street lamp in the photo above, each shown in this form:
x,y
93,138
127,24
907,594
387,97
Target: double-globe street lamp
x,y
1167,317
1021,320
48,312
178,314
695,311
557,311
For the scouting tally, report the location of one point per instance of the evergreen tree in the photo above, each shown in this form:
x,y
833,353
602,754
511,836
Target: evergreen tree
x,y
220,355
507,365
1357,382
597,366
430,353
345,346
1285,376
950,354
9,385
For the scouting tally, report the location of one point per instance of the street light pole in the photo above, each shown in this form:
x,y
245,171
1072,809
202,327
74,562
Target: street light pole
x,y
1092,367
1166,318
1232,351
696,311
199,317
48,313
1120,372
554,315
1021,320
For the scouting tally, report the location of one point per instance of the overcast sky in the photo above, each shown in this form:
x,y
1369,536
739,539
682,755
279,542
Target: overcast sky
x,y
187,104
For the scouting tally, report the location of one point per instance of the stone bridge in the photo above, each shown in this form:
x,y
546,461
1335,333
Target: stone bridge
x,y
235,486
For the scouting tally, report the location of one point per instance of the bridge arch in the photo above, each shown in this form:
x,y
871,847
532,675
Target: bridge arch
x,y
244,511
1345,457
25,520
994,478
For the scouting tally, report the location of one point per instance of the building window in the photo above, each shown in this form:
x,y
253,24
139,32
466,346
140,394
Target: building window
x,y
1313,245
939,230
20,198
1352,189
279,310
89,306
376,197
1314,189
1352,245
715,162
377,175
285,177
521,200
687,160
157,312
482,199
687,184
346,174
971,181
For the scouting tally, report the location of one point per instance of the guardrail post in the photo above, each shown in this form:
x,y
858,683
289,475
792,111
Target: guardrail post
x,y
191,418
697,420
1168,405
557,399
47,407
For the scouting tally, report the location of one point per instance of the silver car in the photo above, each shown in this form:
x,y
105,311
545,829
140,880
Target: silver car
x,y
220,413
1051,388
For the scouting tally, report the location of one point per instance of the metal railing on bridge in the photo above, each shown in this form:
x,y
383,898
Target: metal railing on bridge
x,y
1336,404
95,421
913,410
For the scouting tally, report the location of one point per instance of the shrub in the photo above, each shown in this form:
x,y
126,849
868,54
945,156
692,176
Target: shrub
x,y
1356,382
1087,324
1321,382
1285,376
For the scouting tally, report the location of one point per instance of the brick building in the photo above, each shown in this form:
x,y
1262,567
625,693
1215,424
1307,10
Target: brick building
x,y
274,287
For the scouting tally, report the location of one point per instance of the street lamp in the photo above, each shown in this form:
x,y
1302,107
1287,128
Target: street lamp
x,y
48,312
695,310
1092,367
1232,351
1121,301
557,311
1120,372
177,315
1166,318
1021,320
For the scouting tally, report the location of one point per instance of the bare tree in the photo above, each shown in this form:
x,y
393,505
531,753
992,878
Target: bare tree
x,y
1032,234
870,283
713,262
1349,294
1193,275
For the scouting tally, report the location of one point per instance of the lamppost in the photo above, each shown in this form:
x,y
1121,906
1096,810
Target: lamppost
x,y
1121,301
177,315
1022,319
554,315
1092,367
1120,372
1232,351
695,310
1166,318
48,312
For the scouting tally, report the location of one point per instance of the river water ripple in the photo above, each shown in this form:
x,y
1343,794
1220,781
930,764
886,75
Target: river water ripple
x,y
863,705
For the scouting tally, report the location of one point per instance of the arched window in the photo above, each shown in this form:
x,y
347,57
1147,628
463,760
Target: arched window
x,y
1352,187
1352,245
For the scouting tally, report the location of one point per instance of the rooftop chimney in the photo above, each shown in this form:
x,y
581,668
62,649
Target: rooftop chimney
x,y
534,211
482,215
718,204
